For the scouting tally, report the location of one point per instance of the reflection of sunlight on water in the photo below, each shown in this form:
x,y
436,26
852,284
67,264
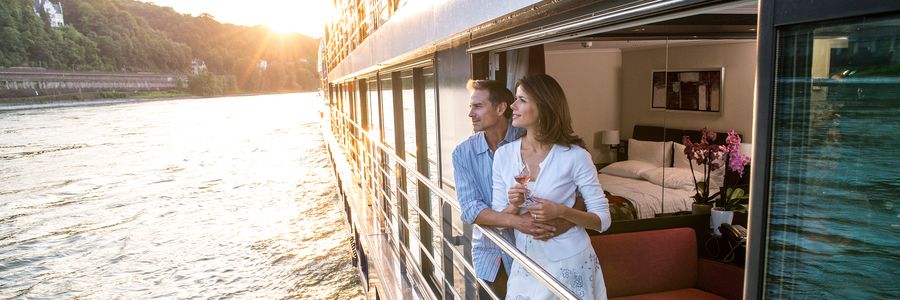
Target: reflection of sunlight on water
x,y
224,197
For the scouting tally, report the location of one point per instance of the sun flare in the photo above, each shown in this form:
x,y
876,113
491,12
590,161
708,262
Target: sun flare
x,y
294,16
282,16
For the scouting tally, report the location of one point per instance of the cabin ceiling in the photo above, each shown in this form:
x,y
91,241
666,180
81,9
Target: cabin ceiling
x,y
734,25
638,44
704,26
592,20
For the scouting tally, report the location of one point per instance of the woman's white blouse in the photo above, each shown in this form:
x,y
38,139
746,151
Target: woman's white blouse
x,y
564,171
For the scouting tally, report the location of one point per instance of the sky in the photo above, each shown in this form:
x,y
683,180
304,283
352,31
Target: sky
x,y
304,16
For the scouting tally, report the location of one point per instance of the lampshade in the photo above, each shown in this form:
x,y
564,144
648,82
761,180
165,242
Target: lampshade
x,y
609,137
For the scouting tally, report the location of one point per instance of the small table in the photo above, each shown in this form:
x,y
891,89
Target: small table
x,y
725,250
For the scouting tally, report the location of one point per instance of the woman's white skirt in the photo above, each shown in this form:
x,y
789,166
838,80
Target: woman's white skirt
x,y
580,273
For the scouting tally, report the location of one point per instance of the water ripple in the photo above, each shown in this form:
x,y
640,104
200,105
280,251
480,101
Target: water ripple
x,y
202,198
27,154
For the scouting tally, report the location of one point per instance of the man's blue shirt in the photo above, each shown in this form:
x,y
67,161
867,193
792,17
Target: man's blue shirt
x,y
473,164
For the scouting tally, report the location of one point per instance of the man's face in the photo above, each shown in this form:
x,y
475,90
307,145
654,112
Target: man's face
x,y
484,115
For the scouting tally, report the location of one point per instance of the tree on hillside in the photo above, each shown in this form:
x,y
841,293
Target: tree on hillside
x,y
128,35
236,50
127,42
28,40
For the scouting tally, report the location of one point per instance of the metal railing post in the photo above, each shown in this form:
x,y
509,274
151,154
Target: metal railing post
x,y
447,230
471,290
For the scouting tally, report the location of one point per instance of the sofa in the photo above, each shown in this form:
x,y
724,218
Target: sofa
x,y
663,264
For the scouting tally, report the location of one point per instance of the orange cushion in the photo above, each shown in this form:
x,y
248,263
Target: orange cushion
x,y
648,261
692,294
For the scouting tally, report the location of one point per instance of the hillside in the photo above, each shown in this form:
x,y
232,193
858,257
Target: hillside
x,y
132,36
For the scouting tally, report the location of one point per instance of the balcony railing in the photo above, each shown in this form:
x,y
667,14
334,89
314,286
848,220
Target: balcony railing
x,y
373,164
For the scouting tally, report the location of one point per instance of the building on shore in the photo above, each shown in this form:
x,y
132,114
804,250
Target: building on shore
x,y
54,12
197,66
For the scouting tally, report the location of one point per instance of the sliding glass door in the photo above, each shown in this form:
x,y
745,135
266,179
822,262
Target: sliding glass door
x,y
832,217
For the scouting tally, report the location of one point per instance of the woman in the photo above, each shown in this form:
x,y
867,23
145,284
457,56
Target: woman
x,y
558,166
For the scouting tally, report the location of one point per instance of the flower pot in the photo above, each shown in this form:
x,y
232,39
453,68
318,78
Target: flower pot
x,y
700,209
717,217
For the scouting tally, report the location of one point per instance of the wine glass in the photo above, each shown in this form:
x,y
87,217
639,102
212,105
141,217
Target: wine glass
x,y
523,178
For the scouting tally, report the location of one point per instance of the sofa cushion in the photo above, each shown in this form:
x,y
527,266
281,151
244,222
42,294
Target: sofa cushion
x,y
648,261
720,278
691,293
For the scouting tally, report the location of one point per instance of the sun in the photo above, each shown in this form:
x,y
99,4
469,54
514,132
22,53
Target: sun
x,y
307,17
283,16
285,27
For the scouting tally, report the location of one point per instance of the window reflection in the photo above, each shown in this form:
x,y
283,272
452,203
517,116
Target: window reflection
x,y
834,211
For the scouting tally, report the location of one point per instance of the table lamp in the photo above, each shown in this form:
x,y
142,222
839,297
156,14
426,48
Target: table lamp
x,y
610,137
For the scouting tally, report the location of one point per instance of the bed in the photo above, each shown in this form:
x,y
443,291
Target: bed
x,y
654,177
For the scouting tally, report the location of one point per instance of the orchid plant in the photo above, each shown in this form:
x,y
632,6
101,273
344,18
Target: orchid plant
x,y
707,154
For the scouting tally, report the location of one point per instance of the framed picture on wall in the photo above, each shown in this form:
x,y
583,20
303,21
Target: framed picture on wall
x,y
687,89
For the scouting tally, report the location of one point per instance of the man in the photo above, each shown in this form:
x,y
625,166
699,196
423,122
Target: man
x,y
472,167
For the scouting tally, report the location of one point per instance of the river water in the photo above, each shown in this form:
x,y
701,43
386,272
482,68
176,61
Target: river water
x,y
200,198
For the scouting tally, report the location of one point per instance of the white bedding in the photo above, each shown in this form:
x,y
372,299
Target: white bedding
x,y
646,196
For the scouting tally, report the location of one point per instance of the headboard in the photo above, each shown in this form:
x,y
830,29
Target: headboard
x,y
659,134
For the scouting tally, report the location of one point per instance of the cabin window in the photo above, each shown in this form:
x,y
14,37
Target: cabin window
x,y
431,132
364,108
365,146
833,210
427,164
345,108
431,124
409,128
374,111
388,138
374,108
410,201
355,109
387,109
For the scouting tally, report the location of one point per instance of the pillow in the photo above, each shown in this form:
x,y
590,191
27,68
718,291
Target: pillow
x,y
747,149
680,160
627,169
717,177
657,153
673,178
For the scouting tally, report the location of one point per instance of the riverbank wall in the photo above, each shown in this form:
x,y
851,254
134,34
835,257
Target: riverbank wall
x,y
18,83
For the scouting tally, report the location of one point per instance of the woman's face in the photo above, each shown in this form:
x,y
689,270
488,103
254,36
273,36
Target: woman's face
x,y
524,111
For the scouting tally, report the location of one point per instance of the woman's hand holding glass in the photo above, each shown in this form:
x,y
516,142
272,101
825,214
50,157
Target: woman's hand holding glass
x,y
521,189
516,195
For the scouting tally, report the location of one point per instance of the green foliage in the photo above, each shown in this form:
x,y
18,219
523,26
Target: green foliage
x,y
12,50
112,95
234,50
28,40
126,42
128,35
160,94
208,84
733,198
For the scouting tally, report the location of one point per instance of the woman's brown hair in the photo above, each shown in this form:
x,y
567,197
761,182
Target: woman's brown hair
x,y
554,119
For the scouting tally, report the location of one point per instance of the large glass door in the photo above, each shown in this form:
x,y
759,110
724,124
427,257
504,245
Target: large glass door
x,y
829,227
